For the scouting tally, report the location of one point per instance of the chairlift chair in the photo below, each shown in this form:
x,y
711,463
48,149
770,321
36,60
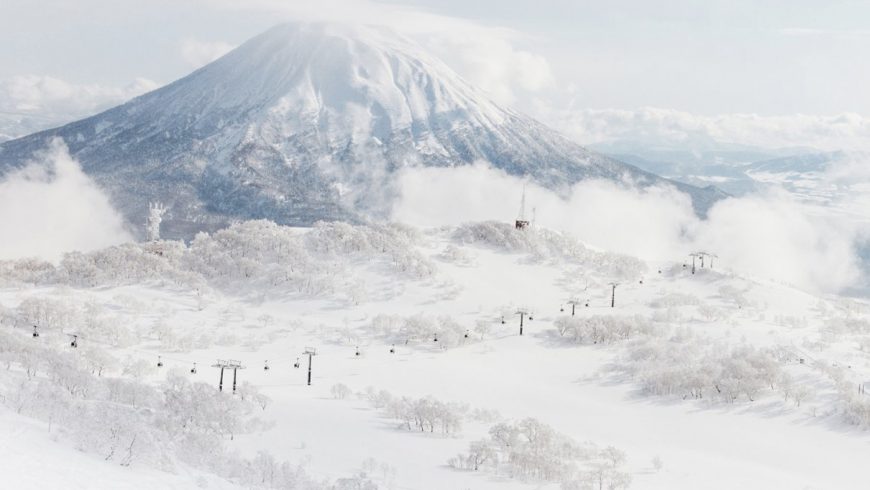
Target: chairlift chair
x,y
35,332
159,362
193,369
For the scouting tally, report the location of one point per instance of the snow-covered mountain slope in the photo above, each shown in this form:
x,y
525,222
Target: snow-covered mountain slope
x,y
310,122
710,380
33,458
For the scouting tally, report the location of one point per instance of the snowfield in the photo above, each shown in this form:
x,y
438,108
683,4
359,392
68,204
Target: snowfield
x,y
713,380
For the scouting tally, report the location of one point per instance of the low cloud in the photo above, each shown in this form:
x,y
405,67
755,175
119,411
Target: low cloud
x,y
770,236
656,126
774,236
51,207
49,95
199,53
850,169
493,63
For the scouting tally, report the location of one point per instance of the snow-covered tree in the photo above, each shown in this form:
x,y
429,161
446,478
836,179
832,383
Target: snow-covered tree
x,y
156,211
533,451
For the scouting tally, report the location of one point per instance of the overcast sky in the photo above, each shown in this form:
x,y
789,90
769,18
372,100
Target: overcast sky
x,y
554,59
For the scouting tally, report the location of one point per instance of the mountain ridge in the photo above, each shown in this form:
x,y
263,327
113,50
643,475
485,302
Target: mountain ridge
x,y
310,122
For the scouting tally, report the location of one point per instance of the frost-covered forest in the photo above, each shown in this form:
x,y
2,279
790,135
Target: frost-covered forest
x,y
417,244
416,349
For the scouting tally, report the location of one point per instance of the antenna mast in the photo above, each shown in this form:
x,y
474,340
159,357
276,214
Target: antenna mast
x,y
521,222
522,215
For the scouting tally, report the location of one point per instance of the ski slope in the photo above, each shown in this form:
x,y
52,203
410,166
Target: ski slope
x,y
761,444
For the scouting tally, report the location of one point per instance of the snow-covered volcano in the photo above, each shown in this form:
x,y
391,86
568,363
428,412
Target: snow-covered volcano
x,y
310,122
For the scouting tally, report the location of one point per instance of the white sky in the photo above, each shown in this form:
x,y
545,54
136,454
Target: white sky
x,y
703,57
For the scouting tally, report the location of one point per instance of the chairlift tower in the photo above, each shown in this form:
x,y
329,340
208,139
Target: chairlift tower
x,y
712,256
573,303
235,365
613,294
694,256
228,364
523,313
310,352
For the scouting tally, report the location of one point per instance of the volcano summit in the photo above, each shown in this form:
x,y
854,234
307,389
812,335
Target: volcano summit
x,y
309,122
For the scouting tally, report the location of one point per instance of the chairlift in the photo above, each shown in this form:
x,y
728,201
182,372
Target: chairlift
x,y
466,334
296,364
193,369
502,320
75,341
435,338
531,317
393,349
159,362
561,309
35,332
356,353
265,365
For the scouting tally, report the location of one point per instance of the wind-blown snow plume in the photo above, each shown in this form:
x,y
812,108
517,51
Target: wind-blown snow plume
x,y
50,207
198,53
494,58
